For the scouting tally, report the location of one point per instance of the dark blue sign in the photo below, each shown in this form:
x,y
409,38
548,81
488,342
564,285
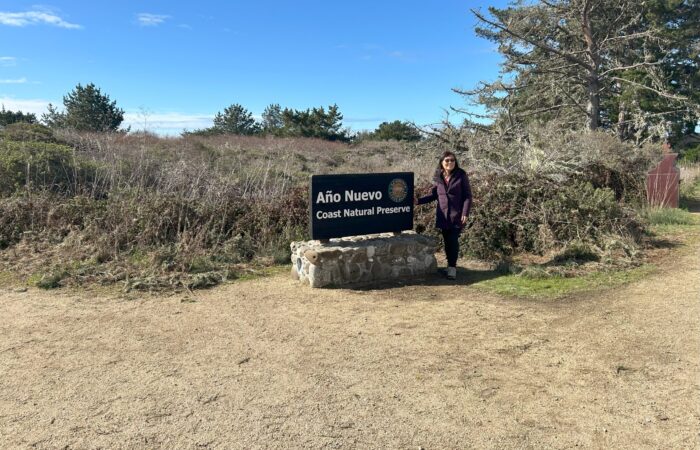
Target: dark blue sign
x,y
354,204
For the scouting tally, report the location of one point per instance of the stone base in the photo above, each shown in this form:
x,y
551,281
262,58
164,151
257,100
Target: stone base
x,y
363,259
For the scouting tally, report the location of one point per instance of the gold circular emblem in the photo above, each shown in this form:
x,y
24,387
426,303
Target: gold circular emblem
x,y
398,190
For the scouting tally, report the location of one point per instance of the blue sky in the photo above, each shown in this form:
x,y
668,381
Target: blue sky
x,y
172,64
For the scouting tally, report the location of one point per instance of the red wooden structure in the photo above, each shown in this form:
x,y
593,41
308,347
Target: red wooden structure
x,y
663,183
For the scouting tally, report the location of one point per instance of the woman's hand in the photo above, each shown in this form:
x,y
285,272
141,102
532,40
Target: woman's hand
x,y
464,220
415,201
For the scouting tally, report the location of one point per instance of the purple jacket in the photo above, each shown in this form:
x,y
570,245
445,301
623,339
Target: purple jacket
x,y
454,200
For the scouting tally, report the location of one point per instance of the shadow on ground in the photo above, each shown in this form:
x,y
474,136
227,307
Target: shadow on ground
x,y
663,243
692,204
465,277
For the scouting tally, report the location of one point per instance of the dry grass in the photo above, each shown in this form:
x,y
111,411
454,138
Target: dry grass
x,y
151,211
157,212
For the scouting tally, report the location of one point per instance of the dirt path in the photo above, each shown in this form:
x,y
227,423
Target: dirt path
x,y
272,364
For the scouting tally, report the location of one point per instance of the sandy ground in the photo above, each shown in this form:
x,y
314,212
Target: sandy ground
x,y
272,364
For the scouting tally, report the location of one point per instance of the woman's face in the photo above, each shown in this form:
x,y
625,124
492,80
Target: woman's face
x,y
448,163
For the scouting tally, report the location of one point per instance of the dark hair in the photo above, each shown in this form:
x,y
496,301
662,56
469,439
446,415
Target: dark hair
x,y
438,171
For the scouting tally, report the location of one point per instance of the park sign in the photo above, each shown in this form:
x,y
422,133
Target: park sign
x,y
354,204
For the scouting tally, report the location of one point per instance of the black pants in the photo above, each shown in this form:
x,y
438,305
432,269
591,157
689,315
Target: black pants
x,y
451,239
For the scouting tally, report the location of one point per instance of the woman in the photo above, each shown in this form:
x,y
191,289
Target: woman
x,y
454,195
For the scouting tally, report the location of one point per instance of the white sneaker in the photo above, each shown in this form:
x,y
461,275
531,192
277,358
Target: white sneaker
x,y
451,273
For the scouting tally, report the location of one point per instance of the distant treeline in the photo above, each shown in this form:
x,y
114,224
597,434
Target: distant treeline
x,y
322,123
9,117
86,108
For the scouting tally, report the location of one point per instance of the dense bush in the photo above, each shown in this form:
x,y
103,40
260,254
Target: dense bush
x,y
22,131
547,216
515,213
691,155
235,230
41,165
549,188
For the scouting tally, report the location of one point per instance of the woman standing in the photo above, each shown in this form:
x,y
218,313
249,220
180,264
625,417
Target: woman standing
x,y
454,195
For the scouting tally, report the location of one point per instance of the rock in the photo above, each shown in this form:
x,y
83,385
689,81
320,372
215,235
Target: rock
x,y
362,259
330,254
358,258
398,249
370,252
351,272
312,256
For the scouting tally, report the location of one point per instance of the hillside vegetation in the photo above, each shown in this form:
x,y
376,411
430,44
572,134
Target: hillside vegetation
x,y
162,211
155,212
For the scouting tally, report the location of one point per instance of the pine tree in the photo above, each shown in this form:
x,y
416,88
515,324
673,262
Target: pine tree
x,y
86,109
622,65
8,117
272,122
397,130
235,120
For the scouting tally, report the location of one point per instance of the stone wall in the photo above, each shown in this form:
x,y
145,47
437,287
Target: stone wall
x,y
363,259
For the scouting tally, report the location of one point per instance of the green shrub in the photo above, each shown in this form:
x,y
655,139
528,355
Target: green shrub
x,y
27,132
200,264
691,155
690,191
577,252
42,165
513,214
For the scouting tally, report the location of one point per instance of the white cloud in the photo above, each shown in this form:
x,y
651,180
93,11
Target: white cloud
x,y
23,19
167,124
34,106
16,81
172,123
8,61
150,20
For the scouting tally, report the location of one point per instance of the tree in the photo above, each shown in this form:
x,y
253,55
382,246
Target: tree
x,y
623,65
272,122
235,120
315,122
8,117
86,109
397,130
54,118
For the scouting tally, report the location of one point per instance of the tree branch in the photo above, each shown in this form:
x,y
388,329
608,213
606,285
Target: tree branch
x,y
665,113
537,44
633,66
472,114
549,108
550,4
661,93
626,36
